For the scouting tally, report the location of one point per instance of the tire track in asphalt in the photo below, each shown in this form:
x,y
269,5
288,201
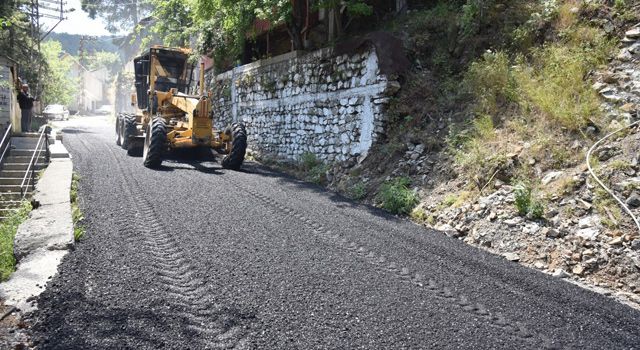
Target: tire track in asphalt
x,y
214,326
382,264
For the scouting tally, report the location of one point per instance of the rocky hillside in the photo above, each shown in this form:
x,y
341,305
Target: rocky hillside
x,y
489,136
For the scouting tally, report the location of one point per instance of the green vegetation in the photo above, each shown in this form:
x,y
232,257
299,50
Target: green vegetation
x,y
76,213
222,27
18,43
396,197
58,88
620,164
608,209
527,204
312,169
8,229
530,94
358,191
419,215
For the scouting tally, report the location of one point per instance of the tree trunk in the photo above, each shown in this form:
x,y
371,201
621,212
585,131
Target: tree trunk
x,y
296,24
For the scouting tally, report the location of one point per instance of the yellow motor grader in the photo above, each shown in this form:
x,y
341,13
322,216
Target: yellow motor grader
x,y
170,118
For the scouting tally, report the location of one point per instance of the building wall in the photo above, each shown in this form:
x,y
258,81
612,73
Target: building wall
x,y
331,106
9,109
90,87
7,95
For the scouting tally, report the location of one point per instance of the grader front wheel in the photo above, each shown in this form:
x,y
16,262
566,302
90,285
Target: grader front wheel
x,y
234,159
155,143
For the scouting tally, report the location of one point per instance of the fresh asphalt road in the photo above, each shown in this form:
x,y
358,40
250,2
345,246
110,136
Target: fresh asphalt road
x,y
195,256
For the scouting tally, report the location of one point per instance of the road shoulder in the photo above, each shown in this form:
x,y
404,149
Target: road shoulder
x,y
44,238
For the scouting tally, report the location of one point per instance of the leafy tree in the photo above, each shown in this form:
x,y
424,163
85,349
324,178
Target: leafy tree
x,y
109,60
58,86
119,15
16,41
224,25
175,24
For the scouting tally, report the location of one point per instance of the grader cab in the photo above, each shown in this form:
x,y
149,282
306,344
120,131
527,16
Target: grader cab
x,y
170,118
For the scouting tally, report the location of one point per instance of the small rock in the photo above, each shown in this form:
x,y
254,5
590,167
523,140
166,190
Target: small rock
x,y
587,252
551,232
616,241
531,228
633,33
635,245
589,233
584,204
629,107
576,145
462,228
511,256
578,270
589,221
492,216
513,222
540,265
560,273
551,177
444,227
624,56
598,86
634,200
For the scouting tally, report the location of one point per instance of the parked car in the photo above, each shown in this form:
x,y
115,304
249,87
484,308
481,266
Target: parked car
x,y
105,109
56,112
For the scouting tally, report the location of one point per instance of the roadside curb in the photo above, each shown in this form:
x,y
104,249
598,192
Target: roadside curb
x,y
45,237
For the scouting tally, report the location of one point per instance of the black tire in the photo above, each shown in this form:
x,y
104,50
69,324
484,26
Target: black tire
x,y
118,135
129,130
234,159
155,143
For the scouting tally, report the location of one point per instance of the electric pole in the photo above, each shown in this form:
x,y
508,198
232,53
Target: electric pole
x,y
49,9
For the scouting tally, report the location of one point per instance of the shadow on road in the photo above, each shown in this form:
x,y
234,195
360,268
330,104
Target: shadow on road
x,y
286,179
76,131
106,324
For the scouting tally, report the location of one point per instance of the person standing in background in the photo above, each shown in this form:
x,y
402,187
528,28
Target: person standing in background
x,y
26,106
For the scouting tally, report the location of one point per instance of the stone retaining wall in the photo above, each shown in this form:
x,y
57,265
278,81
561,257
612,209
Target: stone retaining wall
x,y
331,106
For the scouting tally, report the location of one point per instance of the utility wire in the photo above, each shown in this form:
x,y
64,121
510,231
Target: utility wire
x,y
609,191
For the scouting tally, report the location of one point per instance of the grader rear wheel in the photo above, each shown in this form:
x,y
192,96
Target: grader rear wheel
x,y
129,130
234,159
155,143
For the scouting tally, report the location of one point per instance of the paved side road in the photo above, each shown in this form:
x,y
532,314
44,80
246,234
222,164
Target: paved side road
x,y
194,256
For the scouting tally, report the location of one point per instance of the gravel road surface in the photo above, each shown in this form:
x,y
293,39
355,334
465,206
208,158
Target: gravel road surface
x,y
193,256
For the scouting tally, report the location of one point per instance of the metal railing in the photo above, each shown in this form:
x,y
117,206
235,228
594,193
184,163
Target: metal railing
x,y
5,144
29,175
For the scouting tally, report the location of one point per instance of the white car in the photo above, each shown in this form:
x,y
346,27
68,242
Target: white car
x,y
56,112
